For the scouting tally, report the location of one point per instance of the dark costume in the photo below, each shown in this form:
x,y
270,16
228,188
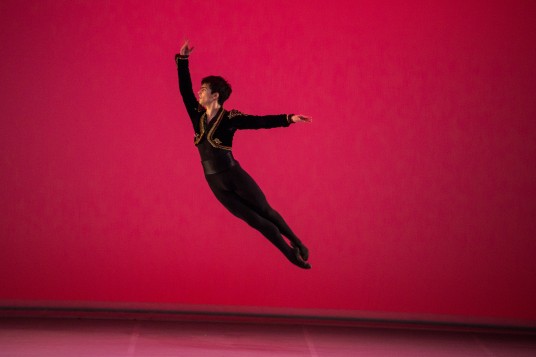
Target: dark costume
x,y
231,185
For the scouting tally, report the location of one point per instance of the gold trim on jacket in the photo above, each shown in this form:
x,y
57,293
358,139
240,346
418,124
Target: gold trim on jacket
x,y
214,142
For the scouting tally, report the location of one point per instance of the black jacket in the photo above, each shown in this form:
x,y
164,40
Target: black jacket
x,y
220,134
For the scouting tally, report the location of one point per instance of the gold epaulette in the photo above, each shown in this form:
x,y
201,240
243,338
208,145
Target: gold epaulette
x,y
233,113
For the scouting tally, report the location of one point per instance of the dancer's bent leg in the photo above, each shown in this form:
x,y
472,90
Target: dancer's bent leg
x,y
240,209
248,190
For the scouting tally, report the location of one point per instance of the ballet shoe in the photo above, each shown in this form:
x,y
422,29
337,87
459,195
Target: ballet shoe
x,y
299,261
304,252
304,265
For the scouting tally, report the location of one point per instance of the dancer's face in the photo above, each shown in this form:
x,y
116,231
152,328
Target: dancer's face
x,y
206,97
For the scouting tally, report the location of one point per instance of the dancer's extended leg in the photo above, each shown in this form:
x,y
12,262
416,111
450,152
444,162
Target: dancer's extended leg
x,y
243,211
253,196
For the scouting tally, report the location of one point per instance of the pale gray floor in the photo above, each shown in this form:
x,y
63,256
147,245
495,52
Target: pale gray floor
x,y
88,337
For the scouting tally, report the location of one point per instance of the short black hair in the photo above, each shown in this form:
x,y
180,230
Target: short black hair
x,y
218,85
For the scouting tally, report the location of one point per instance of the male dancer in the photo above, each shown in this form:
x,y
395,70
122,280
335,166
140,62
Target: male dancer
x,y
214,130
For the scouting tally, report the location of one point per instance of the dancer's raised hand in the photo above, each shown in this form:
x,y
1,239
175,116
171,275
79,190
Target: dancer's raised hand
x,y
186,49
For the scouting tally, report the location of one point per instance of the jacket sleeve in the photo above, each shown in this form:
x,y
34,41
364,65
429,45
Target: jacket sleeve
x,y
185,87
245,121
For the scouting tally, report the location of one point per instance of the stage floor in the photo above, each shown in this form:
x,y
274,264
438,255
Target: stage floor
x,y
60,337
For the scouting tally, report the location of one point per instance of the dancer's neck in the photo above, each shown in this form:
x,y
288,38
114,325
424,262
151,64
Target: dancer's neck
x,y
212,110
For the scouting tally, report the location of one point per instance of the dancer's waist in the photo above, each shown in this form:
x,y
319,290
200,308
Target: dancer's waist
x,y
219,164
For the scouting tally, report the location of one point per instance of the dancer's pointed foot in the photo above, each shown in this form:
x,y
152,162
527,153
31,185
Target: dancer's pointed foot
x,y
299,261
304,252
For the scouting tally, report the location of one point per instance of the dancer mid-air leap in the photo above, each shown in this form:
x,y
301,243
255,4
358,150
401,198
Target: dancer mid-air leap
x,y
214,130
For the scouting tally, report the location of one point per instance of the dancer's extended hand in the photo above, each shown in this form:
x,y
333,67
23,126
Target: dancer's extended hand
x,y
301,119
186,49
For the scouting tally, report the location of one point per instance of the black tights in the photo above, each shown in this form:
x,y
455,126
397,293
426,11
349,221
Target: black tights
x,y
241,195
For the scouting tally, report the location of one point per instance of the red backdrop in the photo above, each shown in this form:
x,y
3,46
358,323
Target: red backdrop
x,y
414,187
